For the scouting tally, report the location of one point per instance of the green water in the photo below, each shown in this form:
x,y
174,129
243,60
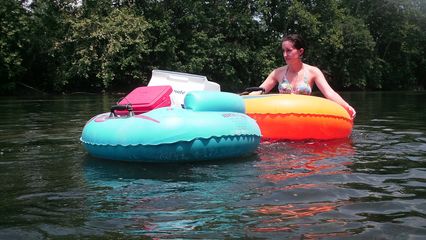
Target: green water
x,y
372,185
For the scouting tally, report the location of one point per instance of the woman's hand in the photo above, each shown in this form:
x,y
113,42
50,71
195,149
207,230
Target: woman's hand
x,y
256,93
351,111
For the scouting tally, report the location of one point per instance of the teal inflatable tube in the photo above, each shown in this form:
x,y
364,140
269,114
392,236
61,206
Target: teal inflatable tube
x,y
214,101
212,125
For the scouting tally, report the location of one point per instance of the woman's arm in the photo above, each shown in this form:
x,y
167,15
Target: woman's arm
x,y
269,82
329,93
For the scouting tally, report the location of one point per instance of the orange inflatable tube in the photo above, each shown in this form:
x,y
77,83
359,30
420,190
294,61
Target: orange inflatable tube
x,y
298,117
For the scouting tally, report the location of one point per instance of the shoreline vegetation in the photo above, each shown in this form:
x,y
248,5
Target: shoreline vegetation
x,y
111,46
34,92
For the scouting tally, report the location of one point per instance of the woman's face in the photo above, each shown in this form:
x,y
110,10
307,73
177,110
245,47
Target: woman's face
x,y
290,52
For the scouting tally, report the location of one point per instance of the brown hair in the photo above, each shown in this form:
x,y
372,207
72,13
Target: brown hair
x,y
296,39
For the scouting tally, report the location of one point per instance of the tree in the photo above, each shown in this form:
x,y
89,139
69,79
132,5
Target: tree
x,y
49,24
396,27
14,40
218,39
339,44
99,45
104,52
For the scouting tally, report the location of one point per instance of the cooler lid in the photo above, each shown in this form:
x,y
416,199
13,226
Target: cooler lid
x,y
146,95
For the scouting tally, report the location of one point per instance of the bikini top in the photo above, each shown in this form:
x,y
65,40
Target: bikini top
x,y
302,88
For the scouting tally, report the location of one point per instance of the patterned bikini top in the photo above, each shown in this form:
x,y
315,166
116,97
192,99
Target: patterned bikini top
x,y
302,88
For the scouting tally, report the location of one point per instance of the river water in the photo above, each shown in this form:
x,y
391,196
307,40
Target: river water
x,y
370,186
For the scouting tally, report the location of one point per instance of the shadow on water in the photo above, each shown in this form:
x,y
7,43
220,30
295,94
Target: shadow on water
x,y
110,169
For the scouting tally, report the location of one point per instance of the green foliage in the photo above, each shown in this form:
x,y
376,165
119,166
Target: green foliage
x,y
13,41
346,51
104,51
216,39
398,29
48,26
113,45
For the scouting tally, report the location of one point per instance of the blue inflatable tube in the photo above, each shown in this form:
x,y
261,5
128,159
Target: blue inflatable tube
x,y
212,125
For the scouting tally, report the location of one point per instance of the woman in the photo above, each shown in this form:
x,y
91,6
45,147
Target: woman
x,y
297,77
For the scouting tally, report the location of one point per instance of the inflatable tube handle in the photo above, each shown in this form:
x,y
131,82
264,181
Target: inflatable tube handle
x,y
252,89
126,107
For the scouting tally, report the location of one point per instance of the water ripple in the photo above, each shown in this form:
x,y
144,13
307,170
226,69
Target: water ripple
x,y
371,186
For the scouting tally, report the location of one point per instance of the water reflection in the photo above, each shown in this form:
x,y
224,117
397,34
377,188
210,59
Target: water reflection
x,y
285,160
298,174
170,200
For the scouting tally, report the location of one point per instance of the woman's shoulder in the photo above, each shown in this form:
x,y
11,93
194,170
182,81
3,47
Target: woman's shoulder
x,y
312,69
280,69
277,73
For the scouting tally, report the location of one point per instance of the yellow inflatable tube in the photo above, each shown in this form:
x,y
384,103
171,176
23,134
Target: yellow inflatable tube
x,y
297,117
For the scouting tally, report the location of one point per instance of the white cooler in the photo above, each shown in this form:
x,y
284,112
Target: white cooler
x,y
181,83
